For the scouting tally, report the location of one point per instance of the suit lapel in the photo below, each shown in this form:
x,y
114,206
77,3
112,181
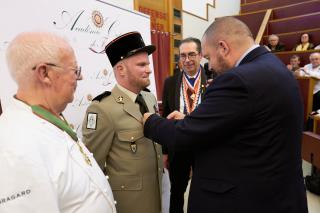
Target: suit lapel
x,y
128,105
254,54
203,82
177,92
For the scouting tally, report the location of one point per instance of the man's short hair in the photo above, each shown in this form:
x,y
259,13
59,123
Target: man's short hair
x,y
29,48
192,40
273,36
295,57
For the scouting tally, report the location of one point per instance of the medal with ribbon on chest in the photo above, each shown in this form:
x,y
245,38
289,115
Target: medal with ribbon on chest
x,y
61,124
191,92
133,145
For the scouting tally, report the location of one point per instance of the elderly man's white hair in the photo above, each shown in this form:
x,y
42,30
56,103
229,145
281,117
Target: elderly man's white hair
x,y
317,54
28,49
273,36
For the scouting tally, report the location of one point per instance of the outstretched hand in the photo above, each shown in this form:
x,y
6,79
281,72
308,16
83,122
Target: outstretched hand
x,y
145,117
176,115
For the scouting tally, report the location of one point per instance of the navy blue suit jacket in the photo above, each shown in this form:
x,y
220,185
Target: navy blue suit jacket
x,y
246,137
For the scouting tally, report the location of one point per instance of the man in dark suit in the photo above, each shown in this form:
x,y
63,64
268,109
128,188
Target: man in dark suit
x,y
183,92
245,134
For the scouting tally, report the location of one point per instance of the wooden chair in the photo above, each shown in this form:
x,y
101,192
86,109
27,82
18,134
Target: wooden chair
x,y
304,56
310,150
306,88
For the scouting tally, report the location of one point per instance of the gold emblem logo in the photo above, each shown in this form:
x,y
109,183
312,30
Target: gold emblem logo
x,y
97,19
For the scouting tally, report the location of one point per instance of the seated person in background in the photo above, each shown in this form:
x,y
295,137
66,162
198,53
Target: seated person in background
x,y
313,70
294,63
274,45
304,43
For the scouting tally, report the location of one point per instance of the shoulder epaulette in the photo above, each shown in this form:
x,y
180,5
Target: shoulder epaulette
x,y
146,90
102,96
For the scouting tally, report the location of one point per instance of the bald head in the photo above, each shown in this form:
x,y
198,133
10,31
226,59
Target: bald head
x,y
315,59
28,49
224,42
230,29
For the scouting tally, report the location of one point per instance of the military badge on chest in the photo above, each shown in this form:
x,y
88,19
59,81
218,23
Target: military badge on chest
x,y
133,146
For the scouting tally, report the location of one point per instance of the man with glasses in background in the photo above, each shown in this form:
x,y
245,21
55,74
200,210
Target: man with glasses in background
x,y
44,166
182,92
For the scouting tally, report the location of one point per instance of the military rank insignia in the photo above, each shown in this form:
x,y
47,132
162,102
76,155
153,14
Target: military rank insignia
x,y
92,120
120,99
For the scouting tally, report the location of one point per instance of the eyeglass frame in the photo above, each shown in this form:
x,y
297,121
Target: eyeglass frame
x,y
190,56
77,71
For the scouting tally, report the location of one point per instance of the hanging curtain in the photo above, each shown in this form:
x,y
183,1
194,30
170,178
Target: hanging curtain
x,y
161,59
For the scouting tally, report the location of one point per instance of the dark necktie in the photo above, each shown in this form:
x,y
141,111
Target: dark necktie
x,y
142,104
191,80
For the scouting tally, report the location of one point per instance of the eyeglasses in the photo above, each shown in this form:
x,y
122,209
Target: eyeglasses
x,y
77,71
190,56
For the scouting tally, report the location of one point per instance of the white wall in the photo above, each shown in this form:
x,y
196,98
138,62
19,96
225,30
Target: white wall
x,y
195,26
199,8
128,4
192,25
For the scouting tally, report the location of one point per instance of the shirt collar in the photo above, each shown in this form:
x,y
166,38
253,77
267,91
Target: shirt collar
x,y
193,76
246,53
131,95
20,104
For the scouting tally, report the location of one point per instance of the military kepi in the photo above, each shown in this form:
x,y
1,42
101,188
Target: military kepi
x,y
125,46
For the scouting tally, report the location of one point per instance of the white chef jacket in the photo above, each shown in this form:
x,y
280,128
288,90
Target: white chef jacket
x,y
43,171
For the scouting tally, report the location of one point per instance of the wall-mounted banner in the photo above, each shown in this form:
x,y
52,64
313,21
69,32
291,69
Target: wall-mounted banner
x,y
88,25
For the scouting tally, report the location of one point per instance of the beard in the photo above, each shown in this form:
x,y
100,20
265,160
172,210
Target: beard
x,y
222,65
145,83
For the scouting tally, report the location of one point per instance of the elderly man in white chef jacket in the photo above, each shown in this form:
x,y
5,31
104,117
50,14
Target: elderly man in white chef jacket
x,y
44,167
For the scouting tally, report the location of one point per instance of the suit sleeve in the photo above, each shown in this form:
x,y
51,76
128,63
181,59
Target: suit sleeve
x,y
98,140
225,108
166,108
